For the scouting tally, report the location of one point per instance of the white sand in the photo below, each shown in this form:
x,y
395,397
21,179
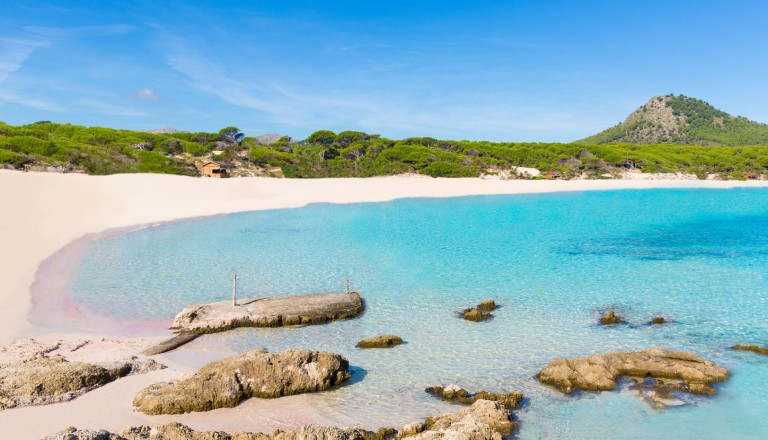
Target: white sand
x,y
43,212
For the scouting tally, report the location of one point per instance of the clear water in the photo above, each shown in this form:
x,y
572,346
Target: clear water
x,y
697,257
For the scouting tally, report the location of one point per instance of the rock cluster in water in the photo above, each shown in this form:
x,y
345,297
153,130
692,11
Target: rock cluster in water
x,y
750,347
257,373
381,341
481,312
611,318
600,372
454,393
483,420
45,380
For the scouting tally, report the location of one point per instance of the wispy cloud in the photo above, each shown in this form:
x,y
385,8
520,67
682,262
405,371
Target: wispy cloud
x,y
146,94
53,33
13,54
27,89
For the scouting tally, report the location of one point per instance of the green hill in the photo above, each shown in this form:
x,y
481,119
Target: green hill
x,y
684,121
95,150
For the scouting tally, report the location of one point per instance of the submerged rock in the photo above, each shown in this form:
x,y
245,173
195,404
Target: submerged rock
x,y
454,393
257,373
750,347
381,341
487,305
600,372
610,318
475,315
45,380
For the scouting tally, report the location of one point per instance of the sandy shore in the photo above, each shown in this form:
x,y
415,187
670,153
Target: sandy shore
x,y
43,212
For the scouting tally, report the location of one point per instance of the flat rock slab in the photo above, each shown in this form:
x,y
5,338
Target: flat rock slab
x,y
257,373
268,312
600,372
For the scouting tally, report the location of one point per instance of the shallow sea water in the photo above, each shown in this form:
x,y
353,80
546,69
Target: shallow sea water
x,y
553,262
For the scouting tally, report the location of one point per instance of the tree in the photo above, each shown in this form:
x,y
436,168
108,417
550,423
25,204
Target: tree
x,y
325,137
231,135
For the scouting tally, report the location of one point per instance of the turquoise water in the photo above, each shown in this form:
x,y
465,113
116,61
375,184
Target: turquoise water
x,y
554,262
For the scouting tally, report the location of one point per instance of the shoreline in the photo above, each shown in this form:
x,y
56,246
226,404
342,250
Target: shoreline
x,y
54,214
42,273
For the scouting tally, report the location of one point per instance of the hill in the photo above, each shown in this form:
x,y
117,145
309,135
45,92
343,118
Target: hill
x,y
46,146
684,121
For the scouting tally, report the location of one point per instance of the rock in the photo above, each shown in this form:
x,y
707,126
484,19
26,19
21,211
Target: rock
x,y
381,341
475,315
610,318
177,431
659,320
257,373
487,305
45,380
413,429
268,312
600,372
453,393
750,347
72,433
483,420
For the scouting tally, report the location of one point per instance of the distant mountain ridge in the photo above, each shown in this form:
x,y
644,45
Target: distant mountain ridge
x,y
683,120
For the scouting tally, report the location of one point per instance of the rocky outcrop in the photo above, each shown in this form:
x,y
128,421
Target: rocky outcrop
x,y
750,347
83,434
475,315
481,312
381,341
45,380
483,420
257,373
659,320
454,393
487,305
600,372
268,312
611,318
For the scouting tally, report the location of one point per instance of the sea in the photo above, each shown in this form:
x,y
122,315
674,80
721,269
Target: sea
x,y
553,263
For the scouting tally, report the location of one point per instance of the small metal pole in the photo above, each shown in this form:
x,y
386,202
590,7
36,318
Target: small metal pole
x,y
347,285
234,289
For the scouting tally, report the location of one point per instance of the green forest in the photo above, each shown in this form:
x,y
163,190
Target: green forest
x,y
95,150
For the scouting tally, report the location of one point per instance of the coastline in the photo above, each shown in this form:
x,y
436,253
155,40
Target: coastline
x,y
50,212
59,213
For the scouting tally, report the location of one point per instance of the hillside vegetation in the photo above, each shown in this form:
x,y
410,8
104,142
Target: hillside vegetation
x,y
96,150
685,121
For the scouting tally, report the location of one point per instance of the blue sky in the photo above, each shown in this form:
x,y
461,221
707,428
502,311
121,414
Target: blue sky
x,y
482,70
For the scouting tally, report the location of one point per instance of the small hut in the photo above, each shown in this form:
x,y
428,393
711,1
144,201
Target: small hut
x,y
215,170
750,176
551,175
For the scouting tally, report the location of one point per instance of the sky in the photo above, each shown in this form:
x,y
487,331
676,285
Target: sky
x,y
545,71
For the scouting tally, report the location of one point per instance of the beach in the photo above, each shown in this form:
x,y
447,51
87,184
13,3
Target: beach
x,y
44,212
